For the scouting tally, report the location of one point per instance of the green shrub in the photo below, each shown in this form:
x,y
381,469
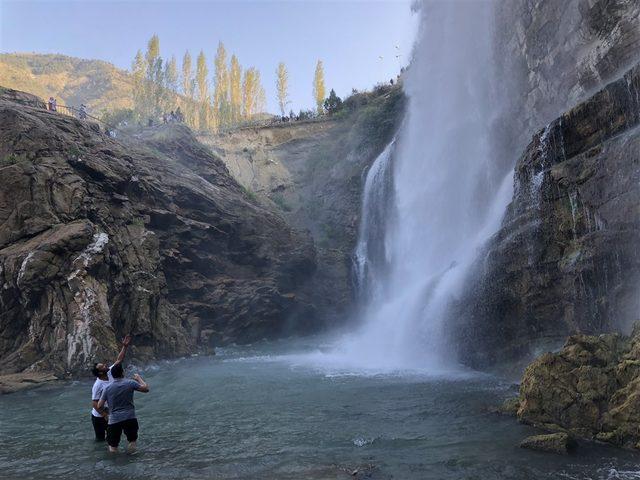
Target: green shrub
x,y
9,159
74,150
280,201
250,194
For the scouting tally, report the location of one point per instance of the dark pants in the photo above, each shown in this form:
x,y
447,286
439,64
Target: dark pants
x,y
99,427
114,431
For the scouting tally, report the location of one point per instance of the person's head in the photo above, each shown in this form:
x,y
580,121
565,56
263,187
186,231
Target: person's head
x,y
99,370
117,371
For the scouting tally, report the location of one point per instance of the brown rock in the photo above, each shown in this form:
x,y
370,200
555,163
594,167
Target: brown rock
x,y
560,443
591,388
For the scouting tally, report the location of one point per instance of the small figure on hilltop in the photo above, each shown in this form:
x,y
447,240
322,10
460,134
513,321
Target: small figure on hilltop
x,y
53,104
164,118
179,115
172,117
82,111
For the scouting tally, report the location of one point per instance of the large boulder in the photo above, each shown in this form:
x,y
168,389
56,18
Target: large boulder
x,y
591,388
560,443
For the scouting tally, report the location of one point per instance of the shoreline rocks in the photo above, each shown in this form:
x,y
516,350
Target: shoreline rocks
x,y
560,443
24,381
590,389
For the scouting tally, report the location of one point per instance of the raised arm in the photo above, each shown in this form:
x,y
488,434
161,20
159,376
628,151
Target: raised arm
x,y
144,387
125,345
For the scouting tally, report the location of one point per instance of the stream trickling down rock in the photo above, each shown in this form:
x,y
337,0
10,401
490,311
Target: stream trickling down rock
x,y
260,413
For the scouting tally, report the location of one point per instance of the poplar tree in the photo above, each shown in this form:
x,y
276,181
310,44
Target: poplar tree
x,y
250,91
188,88
318,87
221,88
235,87
170,83
154,77
202,74
282,86
138,74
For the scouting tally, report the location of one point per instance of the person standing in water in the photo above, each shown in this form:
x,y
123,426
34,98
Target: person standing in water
x,y
103,378
122,413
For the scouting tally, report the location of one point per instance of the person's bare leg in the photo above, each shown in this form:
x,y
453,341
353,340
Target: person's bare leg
x,y
113,449
132,447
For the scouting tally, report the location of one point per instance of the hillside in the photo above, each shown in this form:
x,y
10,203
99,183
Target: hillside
x,y
72,81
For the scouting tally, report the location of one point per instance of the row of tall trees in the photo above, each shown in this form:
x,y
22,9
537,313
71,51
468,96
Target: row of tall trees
x,y
158,88
237,93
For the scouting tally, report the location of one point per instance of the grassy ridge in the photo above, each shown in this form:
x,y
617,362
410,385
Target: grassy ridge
x,y
98,84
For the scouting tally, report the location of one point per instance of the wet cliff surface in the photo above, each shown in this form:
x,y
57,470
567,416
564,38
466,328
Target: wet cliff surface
x,y
148,235
313,173
567,258
552,54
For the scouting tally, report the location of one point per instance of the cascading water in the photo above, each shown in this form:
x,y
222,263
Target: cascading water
x,y
369,257
413,258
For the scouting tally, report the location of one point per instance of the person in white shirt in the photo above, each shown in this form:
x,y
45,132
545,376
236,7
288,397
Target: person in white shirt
x,y
99,419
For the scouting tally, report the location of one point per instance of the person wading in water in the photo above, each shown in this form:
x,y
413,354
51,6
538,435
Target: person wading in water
x,y
103,378
122,413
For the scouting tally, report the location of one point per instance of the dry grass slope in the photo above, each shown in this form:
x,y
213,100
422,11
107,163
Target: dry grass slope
x,y
98,84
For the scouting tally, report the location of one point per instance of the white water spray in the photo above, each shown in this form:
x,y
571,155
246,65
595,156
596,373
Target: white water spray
x,y
445,206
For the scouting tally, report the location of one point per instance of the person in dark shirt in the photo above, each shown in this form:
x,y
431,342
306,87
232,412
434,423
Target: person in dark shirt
x,y
103,377
122,413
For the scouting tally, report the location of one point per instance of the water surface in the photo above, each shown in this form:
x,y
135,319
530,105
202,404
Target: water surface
x,y
256,413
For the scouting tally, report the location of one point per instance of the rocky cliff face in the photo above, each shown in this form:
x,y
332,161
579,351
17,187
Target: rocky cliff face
x,y
553,54
313,173
567,258
147,235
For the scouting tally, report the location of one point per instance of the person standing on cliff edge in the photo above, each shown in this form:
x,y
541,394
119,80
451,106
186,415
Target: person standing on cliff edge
x,y
104,378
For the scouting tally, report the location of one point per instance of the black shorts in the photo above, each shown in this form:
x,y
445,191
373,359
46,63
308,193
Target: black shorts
x,y
114,431
99,427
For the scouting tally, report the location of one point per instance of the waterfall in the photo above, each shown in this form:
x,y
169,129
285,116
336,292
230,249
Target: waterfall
x,y
369,258
431,199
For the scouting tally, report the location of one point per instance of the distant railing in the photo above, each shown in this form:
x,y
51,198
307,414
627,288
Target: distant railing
x,y
81,114
273,122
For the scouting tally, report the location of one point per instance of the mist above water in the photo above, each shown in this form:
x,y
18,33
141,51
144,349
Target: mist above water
x,y
428,203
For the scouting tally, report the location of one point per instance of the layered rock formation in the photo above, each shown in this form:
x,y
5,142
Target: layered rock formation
x,y
590,389
552,54
567,258
148,235
314,172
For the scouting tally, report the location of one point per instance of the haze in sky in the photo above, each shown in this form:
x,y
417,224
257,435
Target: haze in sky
x,y
360,42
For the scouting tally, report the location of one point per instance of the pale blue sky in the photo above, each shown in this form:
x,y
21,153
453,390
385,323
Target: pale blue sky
x,y
349,36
